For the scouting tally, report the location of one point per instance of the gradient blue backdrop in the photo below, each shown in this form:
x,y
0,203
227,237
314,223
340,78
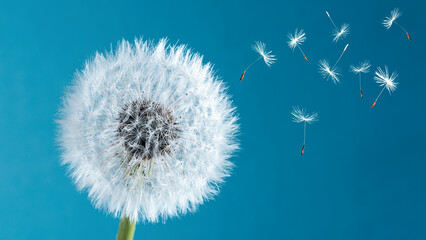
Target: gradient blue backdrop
x,y
363,173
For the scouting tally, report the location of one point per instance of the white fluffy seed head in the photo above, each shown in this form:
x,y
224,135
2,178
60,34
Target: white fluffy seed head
x,y
297,39
385,79
328,72
300,115
394,14
267,56
147,130
341,33
362,67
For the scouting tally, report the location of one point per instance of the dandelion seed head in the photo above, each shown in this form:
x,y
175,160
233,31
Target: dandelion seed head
x,y
297,39
394,14
362,67
147,130
267,56
341,33
300,115
384,78
327,72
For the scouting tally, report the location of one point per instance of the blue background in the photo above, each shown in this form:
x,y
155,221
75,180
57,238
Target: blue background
x,y
362,176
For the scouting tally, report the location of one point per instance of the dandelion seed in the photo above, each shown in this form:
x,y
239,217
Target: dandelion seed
x,y
296,40
300,115
388,22
133,137
363,67
328,72
267,56
341,33
331,72
385,80
338,33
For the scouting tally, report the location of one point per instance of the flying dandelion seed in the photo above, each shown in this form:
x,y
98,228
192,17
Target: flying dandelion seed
x,y
388,22
267,56
363,67
300,115
147,130
327,72
385,80
338,33
341,33
296,40
331,72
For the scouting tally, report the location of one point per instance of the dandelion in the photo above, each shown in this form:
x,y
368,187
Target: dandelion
x,y
363,67
385,80
331,72
339,33
296,40
388,22
267,56
300,115
147,130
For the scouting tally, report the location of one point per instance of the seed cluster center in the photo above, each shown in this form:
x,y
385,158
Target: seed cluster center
x,y
147,129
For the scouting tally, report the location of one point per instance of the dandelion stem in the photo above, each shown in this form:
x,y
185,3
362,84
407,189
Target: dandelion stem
x,y
378,97
332,21
126,230
304,138
403,29
304,134
380,93
251,64
302,53
360,81
341,55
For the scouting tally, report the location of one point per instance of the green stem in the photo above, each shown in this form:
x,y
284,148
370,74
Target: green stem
x,y
126,229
